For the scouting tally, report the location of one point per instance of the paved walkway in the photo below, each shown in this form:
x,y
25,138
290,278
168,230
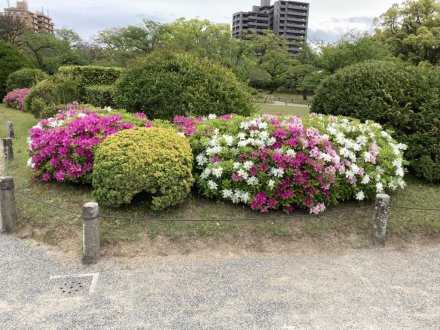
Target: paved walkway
x,y
375,289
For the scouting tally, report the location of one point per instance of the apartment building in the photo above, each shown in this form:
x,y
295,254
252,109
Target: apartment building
x,y
287,19
37,22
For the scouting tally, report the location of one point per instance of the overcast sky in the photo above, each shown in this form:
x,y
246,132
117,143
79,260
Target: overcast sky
x,y
328,19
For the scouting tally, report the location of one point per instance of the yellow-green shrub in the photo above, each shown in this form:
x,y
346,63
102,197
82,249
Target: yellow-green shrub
x,y
156,161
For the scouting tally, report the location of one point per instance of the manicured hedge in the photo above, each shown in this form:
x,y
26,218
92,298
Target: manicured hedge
x,y
165,84
90,75
25,78
100,95
47,93
400,97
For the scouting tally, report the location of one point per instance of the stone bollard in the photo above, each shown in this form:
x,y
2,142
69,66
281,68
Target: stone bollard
x,y
10,128
8,208
7,149
381,218
91,242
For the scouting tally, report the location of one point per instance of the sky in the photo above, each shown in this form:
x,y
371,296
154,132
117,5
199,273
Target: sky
x,y
327,19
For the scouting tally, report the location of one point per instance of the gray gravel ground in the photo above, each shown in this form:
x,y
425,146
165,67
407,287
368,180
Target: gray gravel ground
x,y
383,288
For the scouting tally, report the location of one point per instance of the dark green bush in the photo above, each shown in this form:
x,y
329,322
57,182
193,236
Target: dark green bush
x,y
50,92
166,84
400,97
155,161
90,75
11,60
100,95
25,78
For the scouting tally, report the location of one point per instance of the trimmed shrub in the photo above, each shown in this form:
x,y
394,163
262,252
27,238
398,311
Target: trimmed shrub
x,y
100,95
11,60
90,75
15,99
25,78
166,84
400,97
50,92
154,160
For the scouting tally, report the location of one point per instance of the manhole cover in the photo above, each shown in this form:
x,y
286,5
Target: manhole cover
x,y
74,285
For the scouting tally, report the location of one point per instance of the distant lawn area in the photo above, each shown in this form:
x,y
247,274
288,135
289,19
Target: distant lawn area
x,y
283,110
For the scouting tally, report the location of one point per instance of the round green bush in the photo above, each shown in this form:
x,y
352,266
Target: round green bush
x,y
50,92
25,78
11,60
165,84
156,161
400,97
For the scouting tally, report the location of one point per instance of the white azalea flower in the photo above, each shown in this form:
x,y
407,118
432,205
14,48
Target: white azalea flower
x,y
252,181
212,185
366,180
217,172
226,193
277,172
201,159
271,184
236,165
248,164
379,187
205,174
243,174
212,116
360,196
291,153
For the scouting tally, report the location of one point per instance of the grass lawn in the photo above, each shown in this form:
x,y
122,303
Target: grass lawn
x,y
282,109
53,222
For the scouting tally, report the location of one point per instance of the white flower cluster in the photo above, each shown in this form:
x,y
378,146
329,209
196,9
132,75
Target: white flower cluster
x,y
360,151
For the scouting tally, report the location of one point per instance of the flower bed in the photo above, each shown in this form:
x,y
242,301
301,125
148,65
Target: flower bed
x,y
15,98
61,148
282,163
266,162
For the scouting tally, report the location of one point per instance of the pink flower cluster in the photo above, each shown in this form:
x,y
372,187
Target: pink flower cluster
x,y
187,125
61,148
15,98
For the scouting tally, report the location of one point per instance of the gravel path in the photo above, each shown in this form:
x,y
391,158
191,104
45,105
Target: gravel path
x,y
375,289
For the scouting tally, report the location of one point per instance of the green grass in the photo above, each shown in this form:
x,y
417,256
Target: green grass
x,y
136,222
282,109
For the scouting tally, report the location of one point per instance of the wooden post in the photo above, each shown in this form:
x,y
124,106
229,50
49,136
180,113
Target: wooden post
x,y
7,149
10,128
381,218
91,241
8,208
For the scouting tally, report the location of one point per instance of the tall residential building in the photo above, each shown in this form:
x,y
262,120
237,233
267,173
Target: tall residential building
x,y
288,19
37,22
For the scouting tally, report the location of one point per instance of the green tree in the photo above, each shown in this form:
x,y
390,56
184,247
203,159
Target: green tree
x,y
11,27
352,48
412,30
47,51
11,60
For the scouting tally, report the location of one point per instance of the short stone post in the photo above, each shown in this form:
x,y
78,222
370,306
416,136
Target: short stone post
x,y
10,128
91,242
8,207
381,218
7,149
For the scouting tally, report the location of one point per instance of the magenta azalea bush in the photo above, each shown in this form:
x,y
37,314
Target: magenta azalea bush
x,y
15,98
270,163
61,148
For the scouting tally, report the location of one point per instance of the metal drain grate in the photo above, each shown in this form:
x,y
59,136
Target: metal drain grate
x,y
66,286
73,287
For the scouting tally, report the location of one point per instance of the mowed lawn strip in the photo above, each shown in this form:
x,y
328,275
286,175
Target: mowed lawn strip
x,y
54,218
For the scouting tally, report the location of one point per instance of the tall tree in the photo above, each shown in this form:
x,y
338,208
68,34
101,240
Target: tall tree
x,y
412,30
11,27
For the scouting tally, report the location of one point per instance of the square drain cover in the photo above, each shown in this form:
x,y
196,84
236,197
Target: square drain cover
x,y
74,285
